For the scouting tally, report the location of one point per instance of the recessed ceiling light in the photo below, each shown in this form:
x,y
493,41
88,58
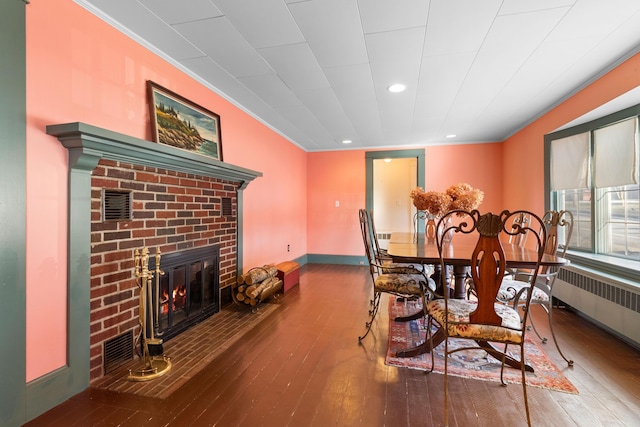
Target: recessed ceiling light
x,y
387,160
346,141
452,135
396,87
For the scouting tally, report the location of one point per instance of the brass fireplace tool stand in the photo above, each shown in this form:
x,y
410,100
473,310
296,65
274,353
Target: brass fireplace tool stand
x,y
154,363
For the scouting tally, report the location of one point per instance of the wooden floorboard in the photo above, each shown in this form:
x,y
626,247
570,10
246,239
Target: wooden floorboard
x,y
303,366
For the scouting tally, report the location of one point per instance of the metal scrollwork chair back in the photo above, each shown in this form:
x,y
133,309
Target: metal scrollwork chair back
x,y
483,319
559,227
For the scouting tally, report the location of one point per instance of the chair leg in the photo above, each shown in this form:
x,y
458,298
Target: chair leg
x,y
532,325
373,311
446,381
429,337
524,384
553,335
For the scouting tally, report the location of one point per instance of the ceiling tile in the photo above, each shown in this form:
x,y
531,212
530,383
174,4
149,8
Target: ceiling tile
x,y
384,15
271,89
332,29
262,23
459,25
173,12
218,39
296,66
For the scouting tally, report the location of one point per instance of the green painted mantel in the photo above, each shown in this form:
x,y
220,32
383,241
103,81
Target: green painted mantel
x,y
87,145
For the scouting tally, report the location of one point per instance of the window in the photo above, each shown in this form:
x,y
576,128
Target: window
x,y
593,172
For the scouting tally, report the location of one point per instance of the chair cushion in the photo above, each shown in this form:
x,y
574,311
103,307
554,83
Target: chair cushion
x,y
509,288
404,284
459,310
401,268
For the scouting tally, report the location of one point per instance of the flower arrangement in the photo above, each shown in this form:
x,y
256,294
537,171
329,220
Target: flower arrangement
x,y
458,196
464,196
432,202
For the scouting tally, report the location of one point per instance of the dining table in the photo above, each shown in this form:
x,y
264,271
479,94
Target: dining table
x,y
406,247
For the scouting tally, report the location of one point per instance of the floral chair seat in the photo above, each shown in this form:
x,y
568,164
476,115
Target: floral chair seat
x,y
459,311
510,288
402,284
401,268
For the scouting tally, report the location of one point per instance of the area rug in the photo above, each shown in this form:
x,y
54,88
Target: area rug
x,y
467,364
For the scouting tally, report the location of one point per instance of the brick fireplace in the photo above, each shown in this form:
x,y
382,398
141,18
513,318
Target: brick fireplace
x,y
177,201
161,209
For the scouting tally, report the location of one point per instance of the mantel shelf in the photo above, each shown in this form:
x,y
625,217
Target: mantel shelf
x,y
86,141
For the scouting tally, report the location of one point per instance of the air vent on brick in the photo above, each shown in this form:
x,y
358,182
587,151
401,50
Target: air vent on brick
x,y
227,209
118,351
116,205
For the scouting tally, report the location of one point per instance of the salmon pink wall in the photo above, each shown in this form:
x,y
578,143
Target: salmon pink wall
x,y
81,69
523,166
340,176
479,165
335,176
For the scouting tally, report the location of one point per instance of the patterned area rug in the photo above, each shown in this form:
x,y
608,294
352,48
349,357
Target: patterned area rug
x,y
467,364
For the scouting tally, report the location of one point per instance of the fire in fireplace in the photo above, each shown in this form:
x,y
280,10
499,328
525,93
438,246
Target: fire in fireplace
x,y
188,291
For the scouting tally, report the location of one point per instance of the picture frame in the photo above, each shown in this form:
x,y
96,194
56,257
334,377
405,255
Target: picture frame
x,y
183,124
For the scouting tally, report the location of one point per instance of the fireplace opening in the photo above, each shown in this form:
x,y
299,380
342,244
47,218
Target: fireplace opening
x,y
187,292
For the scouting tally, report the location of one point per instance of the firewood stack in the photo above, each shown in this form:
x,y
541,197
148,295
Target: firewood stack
x,y
256,285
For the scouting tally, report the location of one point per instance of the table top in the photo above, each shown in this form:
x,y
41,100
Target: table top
x,y
403,248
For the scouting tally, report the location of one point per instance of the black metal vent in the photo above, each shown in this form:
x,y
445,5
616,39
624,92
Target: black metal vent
x,y
227,208
116,205
118,351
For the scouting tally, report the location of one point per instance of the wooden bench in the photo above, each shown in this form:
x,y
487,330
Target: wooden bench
x,y
289,273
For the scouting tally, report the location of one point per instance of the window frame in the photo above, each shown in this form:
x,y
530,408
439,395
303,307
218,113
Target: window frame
x,y
619,267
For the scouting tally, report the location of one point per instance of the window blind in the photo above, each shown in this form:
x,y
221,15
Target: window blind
x,y
615,154
570,162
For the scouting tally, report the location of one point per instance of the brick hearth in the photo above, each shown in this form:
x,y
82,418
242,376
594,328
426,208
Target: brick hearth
x,y
191,351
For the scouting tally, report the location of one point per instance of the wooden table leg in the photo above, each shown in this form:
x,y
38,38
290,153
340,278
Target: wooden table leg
x,y
460,278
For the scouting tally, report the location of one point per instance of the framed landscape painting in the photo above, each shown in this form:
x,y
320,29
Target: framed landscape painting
x,y
178,122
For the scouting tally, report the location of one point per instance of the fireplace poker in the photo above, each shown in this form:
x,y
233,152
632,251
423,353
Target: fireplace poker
x,y
154,345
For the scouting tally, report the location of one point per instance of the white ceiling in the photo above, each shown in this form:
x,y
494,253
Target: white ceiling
x,y
317,71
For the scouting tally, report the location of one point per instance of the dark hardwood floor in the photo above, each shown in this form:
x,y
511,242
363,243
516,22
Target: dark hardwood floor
x,y
303,366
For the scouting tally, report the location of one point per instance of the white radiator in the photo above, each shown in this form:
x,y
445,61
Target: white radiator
x,y
612,302
383,240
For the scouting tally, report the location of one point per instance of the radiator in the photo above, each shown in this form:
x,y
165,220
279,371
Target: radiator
x,y
383,240
612,302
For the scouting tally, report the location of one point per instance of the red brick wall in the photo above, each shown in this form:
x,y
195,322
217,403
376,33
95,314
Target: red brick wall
x,y
172,211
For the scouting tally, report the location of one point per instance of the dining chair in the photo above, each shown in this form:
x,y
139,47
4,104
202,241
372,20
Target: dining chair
x,y
482,320
388,266
559,226
384,258
518,240
401,281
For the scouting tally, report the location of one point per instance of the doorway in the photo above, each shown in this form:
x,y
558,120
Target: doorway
x,y
390,177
